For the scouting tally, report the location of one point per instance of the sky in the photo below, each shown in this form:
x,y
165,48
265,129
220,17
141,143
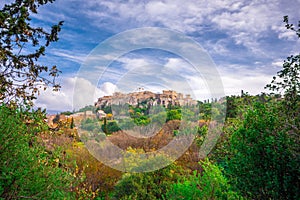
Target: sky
x,y
117,45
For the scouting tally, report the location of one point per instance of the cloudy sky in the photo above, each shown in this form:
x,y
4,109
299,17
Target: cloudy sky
x,y
242,42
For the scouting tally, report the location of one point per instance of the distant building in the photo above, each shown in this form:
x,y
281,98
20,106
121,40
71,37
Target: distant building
x,y
89,113
101,114
168,97
78,114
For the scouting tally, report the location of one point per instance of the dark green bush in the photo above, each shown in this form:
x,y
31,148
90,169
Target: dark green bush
x,y
150,185
27,169
110,127
212,184
263,165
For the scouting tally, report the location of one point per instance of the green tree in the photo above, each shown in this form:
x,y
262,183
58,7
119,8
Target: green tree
x,y
231,110
72,125
211,184
148,185
288,82
174,114
112,127
126,124
288,79
90,124
263,165
21,76
68,113
56,119
205,110
28,171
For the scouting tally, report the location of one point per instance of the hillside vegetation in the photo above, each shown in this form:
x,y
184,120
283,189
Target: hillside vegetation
x,y
255,157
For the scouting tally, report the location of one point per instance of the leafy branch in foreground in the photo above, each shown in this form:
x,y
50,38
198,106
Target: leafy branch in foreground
x,y
288,79
21,45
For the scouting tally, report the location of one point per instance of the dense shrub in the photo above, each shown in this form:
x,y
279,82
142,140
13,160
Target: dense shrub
x,y
150,185
27,169
174,115
211,184
263,165
112,127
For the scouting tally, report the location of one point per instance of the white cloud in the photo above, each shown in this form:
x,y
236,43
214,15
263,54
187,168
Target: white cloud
x,y
177,64
132,63
172,14
284,33
240,31
277,63
86,94
69,55
236,78
218,48
249,23
252,84
246,22
107,88
198,87
180,66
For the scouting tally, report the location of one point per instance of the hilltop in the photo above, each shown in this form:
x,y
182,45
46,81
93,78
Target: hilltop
x,y
168,97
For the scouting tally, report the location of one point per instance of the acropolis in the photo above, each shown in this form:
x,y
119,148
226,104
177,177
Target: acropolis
x,y
168,97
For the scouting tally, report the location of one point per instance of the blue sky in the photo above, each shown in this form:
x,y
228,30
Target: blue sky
x,y
245,39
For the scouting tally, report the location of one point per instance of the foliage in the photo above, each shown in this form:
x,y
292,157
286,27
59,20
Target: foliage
x,y
289,83
72,124
140,114
91,124
289,77
174,114
201,134
56,119
142,120
258,151
95,126
263,165
27,169
99,179
231,110
205,110
221,151
107,109
87,108
210,185
291,26
66,113
149,185
126,124
112,127
20,73
159,118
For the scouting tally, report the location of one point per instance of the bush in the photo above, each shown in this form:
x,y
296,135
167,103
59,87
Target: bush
x,y
110,127
27,169
210,185
174,115
263,165
90,125
127,124
150,185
